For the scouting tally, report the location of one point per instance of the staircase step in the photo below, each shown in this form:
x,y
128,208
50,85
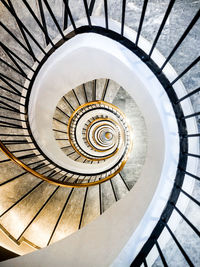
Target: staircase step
x,y
47,219
92,206
11,192
112,90
80,94
100,84
35,200
70,220
6,175
107,196
119,187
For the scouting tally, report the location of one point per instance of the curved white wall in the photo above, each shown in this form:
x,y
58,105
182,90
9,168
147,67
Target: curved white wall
x,y
84,58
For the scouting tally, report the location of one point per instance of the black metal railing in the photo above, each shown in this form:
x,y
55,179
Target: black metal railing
x,y
12,88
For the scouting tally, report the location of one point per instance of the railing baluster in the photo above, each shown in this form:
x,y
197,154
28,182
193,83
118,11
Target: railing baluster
x,y
43,20
9,107
193,135
62,112
59,131
193,155
77,158
161,254
85,94
94,90
87,12
106,13
29,156
100,200
12,127
25,28
188,95
11,67
76,97
59,121
189,196
15,38
5,160
114,193
196,17
169,8
8,118
15,135
8,124
69,177
54,18
62,139
23,150
65,99
83,208
124,181
21,157
91,7
105,89
145,263
186,220
179,246
65,147
11,80
15,143
38,21
11,100
141,20
21,29
191,115
36,162
71,153
10,53
190,174
186,70
65,19
70,14
10,85
13,93
123,16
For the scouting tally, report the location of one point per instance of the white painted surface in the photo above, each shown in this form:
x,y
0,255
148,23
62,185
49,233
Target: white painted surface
x,y
136,214
79,56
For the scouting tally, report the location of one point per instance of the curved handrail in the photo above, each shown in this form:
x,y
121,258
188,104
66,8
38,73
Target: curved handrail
x,y
52,181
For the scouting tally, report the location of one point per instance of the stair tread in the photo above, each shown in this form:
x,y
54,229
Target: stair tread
x,y
47,219
71,216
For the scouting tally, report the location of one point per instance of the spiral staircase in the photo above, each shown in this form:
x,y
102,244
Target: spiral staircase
x,y
99,115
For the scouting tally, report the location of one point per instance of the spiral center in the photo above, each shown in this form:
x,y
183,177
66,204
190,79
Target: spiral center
x,y
108,136
105,132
